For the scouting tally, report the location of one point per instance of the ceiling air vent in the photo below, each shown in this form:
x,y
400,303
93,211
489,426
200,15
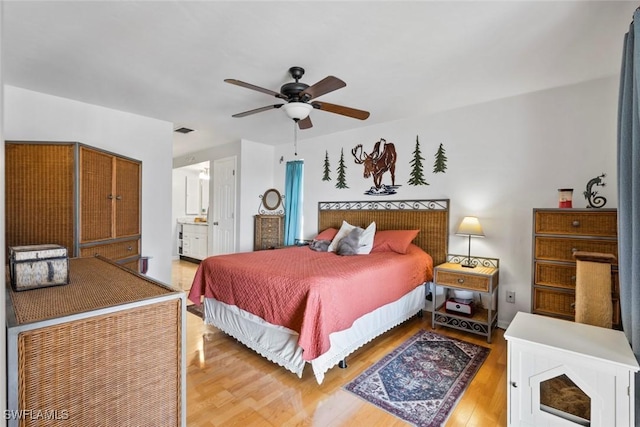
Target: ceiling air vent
x,y
183,130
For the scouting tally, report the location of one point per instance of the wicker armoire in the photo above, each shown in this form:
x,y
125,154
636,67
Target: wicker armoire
x,y
74,195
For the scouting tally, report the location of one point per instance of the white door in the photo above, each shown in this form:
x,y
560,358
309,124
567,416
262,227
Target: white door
x,y
223,222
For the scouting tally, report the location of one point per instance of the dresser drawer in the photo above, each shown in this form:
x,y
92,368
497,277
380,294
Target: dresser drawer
x,y
564,276
467,281
593,223
114,251
270,225
555,303
562,249
556,275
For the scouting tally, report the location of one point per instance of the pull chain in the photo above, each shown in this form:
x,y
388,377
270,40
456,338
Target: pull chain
x,y
295,138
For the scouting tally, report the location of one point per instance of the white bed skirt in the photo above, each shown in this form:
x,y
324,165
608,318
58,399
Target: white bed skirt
x,y
280,344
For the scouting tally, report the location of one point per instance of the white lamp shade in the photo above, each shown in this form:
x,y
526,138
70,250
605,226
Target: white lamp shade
x,y
297,110
470,226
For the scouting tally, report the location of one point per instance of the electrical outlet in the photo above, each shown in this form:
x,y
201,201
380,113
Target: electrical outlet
x,y
511,296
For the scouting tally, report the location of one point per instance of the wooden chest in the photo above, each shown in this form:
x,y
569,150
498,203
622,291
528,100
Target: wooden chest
x,y
557,234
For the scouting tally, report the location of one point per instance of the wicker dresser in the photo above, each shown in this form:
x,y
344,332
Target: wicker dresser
x,y
106,349
557,233
269,232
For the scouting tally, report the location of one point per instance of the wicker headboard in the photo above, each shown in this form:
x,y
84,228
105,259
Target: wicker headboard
x,y
430,216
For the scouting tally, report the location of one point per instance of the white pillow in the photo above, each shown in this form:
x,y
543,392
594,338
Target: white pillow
x,y
344,230
366,240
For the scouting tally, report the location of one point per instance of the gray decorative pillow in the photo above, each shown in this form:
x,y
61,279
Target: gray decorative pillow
x,y
320,245
350,244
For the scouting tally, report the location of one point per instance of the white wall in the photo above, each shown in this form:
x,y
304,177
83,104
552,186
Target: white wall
x,y
504,158
256,173
36,116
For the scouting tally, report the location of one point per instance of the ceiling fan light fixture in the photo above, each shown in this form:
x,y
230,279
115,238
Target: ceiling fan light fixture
x,y
297,110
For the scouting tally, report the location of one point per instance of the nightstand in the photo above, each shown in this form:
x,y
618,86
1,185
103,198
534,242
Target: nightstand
x,y
479,316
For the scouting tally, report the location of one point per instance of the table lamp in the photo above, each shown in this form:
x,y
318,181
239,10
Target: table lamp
x,y
470,226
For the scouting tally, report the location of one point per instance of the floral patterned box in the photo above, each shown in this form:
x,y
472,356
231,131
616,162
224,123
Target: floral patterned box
x,y
38,266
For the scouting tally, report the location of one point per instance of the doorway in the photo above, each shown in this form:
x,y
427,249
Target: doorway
x,y
190,211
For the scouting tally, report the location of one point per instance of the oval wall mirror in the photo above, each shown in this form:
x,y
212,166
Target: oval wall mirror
x,y
271,199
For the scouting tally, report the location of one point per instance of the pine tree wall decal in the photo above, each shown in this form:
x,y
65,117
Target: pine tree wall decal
x,y
341,182
326,167
417,175
440,165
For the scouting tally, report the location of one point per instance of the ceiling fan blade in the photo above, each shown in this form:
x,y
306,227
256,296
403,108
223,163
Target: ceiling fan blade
x,y
305,123
340,109
257,110
326,85
254,87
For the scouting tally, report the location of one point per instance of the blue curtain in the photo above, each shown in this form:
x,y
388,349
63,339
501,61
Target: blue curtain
x,y
293,201
629,194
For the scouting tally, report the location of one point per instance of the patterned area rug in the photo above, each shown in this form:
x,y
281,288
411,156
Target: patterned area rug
x,y
422,380
196,309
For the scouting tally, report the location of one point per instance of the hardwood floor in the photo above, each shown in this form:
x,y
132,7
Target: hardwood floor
x,y
228,384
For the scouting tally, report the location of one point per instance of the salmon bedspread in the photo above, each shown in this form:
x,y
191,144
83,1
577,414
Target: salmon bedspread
x,y
312,293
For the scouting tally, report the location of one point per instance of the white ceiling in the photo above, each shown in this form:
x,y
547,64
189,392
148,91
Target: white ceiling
x,y
168,59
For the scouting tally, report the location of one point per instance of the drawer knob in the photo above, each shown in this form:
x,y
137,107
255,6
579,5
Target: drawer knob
x,y
574,249
576,223
573,305
514,384
460,280
573,278
130,248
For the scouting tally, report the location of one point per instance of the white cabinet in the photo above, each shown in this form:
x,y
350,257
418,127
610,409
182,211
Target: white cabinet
x,y
562,373
193,241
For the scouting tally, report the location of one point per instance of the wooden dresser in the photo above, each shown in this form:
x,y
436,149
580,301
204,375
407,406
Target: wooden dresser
x,y
557,234
268,232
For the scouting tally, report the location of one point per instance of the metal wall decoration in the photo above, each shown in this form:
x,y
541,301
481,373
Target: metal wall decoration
x,y
440,164
341,182
417,173
376,164
326,167
593,200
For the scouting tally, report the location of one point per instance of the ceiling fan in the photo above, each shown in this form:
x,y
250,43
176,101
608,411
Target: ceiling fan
x,y
300,98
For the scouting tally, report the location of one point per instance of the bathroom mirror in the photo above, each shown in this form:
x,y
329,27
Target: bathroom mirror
x,y
271,199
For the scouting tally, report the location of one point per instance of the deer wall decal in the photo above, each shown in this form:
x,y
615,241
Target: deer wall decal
x,y
377,163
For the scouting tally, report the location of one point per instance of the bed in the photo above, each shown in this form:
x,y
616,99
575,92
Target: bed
x,y
322,307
